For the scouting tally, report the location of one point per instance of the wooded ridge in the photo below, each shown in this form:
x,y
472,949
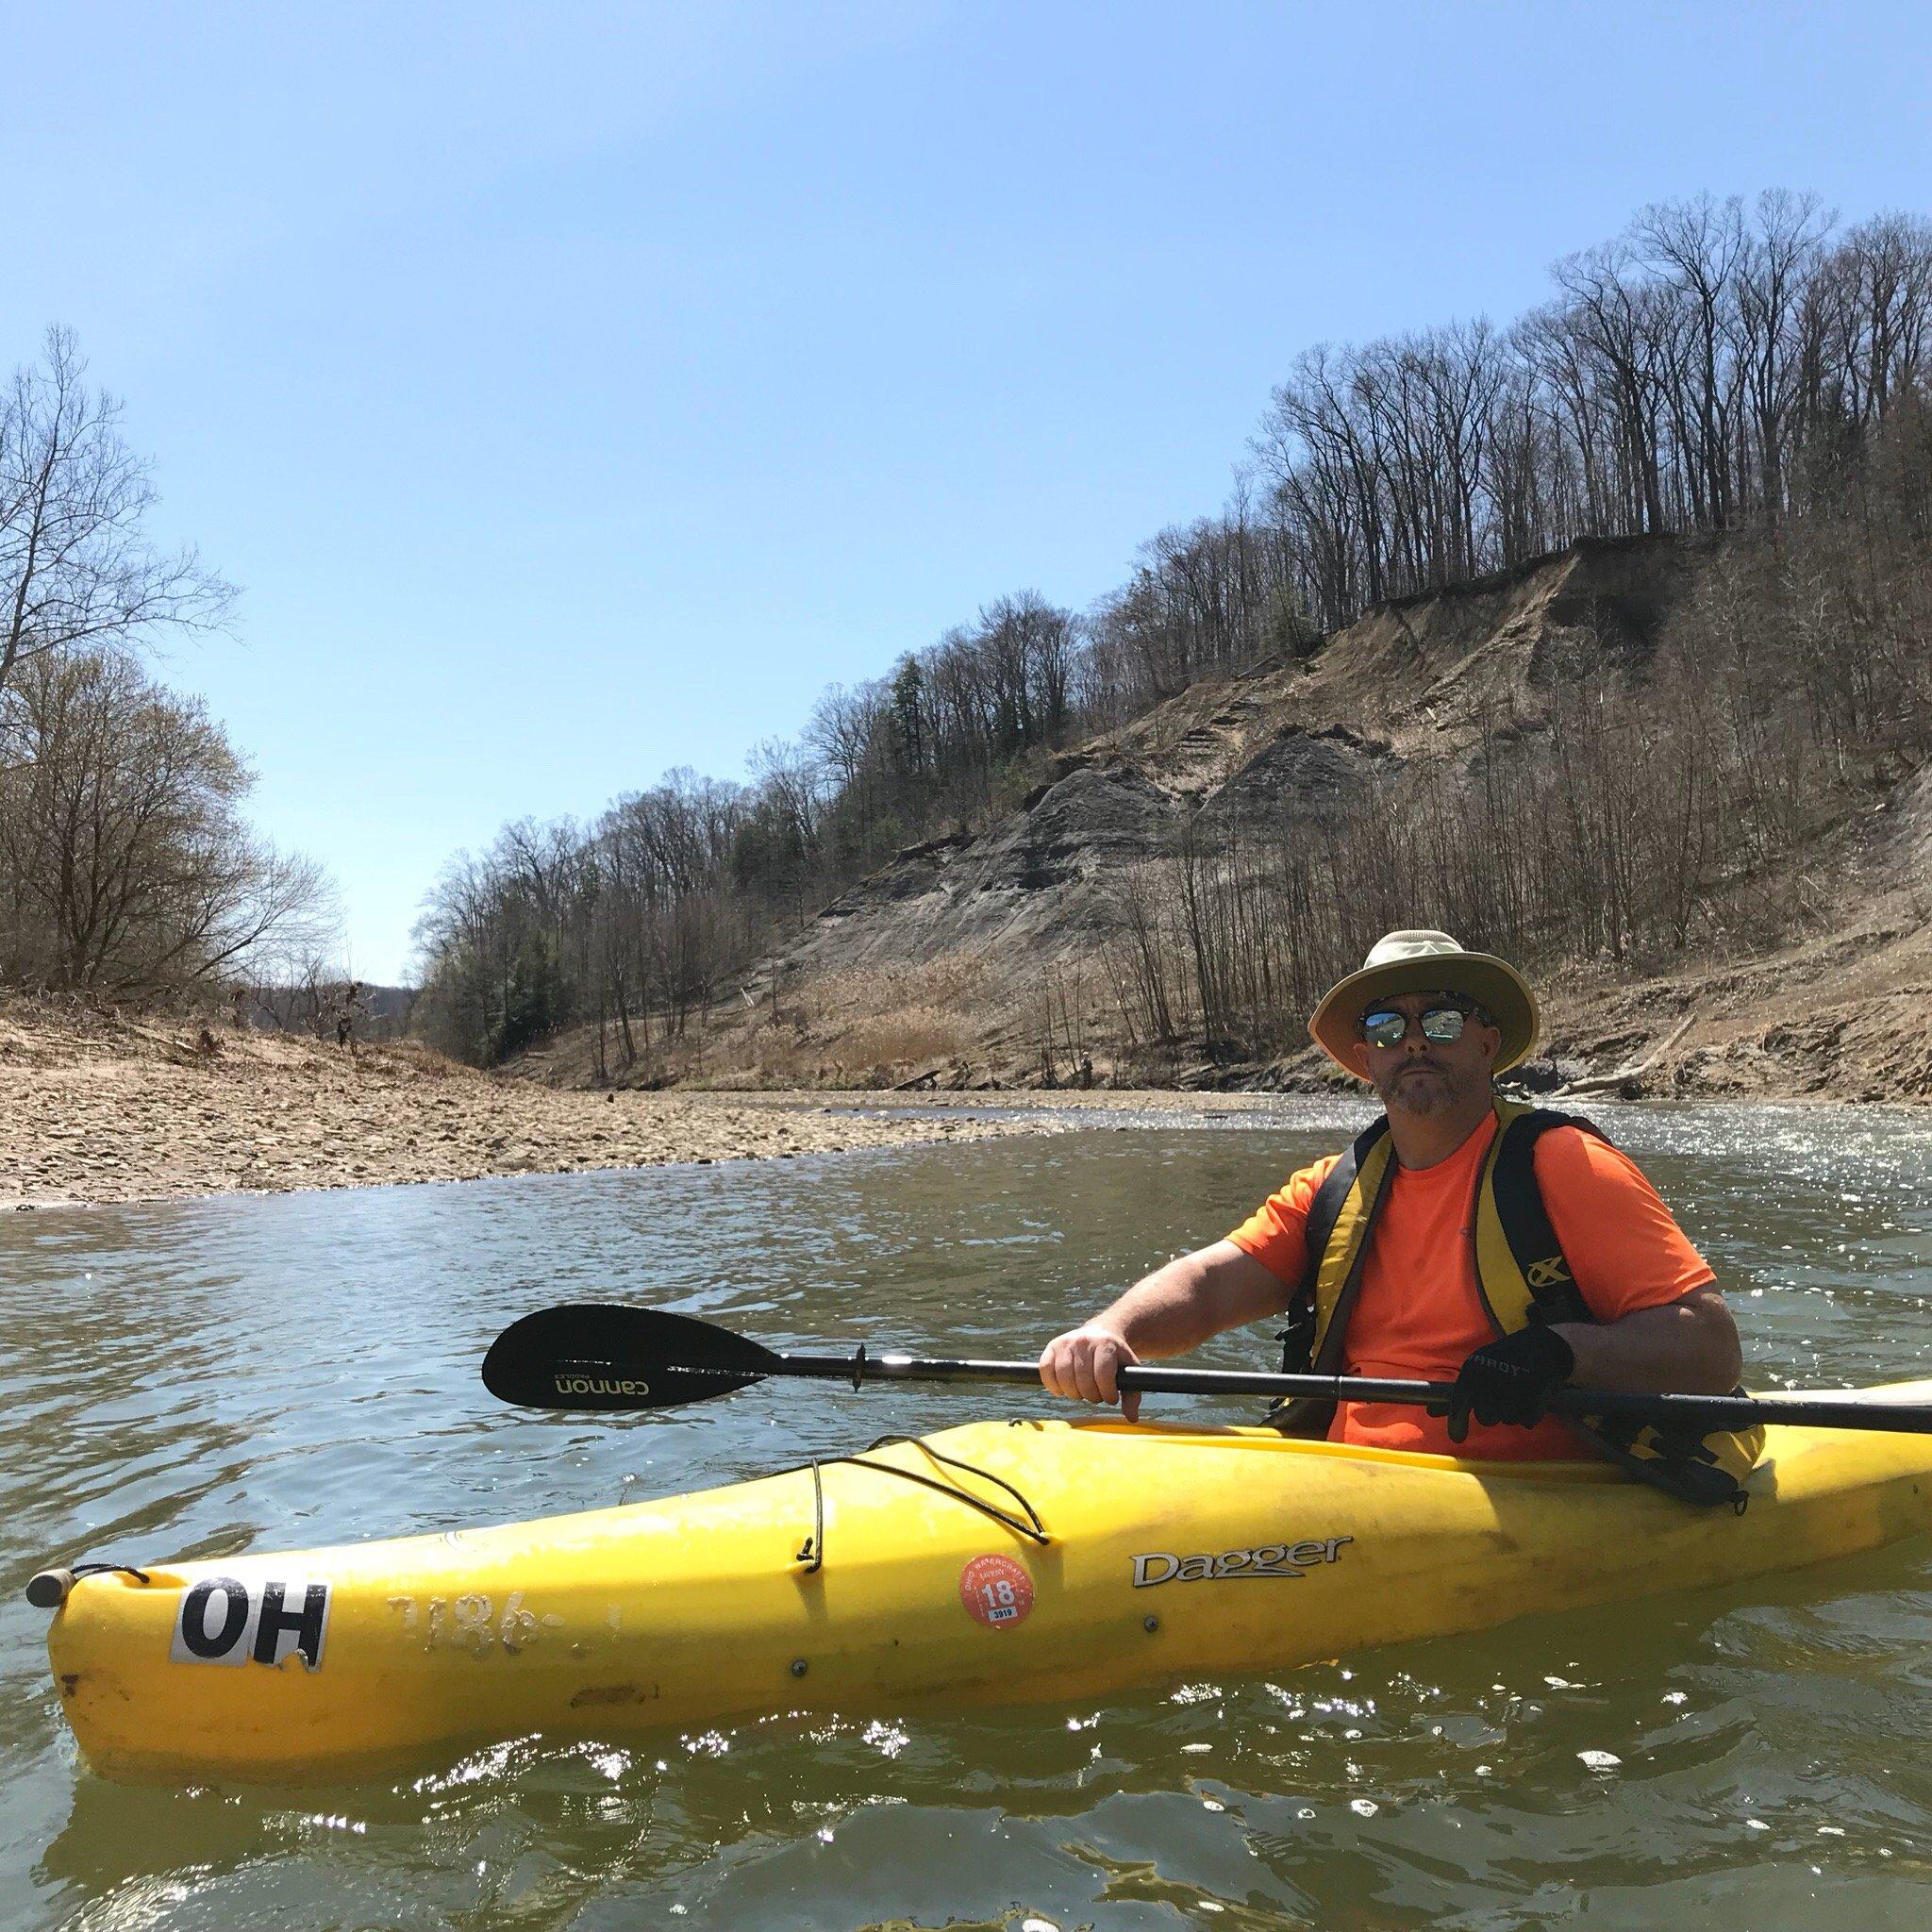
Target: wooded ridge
x,y
1582,638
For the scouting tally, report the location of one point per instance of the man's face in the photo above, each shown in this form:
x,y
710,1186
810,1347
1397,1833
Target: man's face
x,y
1429,1076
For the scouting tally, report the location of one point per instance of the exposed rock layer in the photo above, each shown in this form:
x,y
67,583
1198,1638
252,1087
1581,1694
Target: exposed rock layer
x,y
1280,744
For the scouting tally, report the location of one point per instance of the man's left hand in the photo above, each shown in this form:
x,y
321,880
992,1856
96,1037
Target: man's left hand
x,y
1509,1380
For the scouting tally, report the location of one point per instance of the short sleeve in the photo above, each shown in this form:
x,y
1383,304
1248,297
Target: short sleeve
x,y
1624,1247
1276,1233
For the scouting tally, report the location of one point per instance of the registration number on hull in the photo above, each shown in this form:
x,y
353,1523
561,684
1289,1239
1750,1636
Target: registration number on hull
x,y
1264,1559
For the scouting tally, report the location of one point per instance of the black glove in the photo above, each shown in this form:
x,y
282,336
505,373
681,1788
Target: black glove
x,y
1509,1380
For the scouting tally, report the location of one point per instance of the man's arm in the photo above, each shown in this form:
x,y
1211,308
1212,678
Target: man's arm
x,y
1688,1346
1661,1325
1167,1312
1628,1253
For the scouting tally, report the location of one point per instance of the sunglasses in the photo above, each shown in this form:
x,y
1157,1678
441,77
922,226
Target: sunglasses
x,y
1384,1026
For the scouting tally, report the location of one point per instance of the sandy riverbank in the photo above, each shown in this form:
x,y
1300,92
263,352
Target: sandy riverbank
x,y
99,1108
106,1109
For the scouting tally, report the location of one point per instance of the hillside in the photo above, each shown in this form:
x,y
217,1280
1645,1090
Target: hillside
x,y
994,959
1284,744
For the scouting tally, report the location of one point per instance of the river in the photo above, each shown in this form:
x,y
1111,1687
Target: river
x,y
199,1378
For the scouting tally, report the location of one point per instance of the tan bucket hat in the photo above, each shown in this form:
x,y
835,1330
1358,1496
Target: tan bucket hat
x,y
1403,962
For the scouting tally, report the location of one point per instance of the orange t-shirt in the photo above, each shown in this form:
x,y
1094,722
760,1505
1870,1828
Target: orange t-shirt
x,y
1418,1314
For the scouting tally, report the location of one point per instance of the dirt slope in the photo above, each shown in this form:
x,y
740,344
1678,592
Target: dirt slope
x,y
1290,740
933,967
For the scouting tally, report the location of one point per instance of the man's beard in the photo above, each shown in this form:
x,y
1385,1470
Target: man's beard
x,y
1439,1094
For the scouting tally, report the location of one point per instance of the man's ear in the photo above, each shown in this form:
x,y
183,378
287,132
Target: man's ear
x,y
1357,1056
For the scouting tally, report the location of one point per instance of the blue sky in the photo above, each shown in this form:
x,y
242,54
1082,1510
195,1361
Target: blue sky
x,y
574,392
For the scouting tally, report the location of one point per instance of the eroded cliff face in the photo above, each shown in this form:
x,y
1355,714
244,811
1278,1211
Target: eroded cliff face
x,y
993,959
1281,745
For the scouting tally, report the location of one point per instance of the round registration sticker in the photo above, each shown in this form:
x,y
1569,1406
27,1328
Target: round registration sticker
x,y
996,1591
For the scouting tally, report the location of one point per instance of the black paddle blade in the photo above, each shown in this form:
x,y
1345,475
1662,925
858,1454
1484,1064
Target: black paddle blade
x,y
598,1355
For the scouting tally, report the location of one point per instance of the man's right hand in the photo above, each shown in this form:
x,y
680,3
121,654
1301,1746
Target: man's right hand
x,y
1084,1365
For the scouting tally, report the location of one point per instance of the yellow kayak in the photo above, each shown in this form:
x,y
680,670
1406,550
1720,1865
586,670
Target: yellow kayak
x,y
1003,1561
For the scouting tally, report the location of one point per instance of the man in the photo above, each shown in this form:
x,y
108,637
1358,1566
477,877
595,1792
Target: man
x,y
1461,1238
347,1014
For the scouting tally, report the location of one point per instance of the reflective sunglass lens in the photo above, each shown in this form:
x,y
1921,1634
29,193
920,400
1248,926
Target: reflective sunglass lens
x,y
1384,1029
1443,1023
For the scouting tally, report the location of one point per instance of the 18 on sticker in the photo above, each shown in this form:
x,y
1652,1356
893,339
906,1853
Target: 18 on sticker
x,y
996,1591
224,1620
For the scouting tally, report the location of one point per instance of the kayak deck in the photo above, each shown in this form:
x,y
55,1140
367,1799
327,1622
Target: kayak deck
x,y
997,1563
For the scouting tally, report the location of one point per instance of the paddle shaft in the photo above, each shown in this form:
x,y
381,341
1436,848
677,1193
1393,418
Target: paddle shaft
x,y
1701,1413
609,1357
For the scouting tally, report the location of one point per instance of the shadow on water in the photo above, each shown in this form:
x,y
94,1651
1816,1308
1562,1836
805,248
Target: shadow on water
x,y
282,1371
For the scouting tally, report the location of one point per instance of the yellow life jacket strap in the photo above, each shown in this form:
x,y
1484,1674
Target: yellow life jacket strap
x,y
1341,1218
1521,1271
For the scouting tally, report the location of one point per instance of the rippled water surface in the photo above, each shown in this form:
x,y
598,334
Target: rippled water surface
x,y
269,1372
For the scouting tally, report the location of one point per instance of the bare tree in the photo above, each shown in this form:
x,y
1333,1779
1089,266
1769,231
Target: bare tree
x,y
123,850
75,568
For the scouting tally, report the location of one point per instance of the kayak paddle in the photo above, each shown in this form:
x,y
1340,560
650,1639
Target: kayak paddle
x,y
605,1356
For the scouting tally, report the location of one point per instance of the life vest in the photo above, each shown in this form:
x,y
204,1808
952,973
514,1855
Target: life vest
x,y
1521,1275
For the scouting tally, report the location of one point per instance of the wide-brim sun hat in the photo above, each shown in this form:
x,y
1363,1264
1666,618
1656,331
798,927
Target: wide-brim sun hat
x,y
1401,962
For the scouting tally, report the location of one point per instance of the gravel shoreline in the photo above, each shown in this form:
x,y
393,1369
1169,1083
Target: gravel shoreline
x,y
93,1117
101,1109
